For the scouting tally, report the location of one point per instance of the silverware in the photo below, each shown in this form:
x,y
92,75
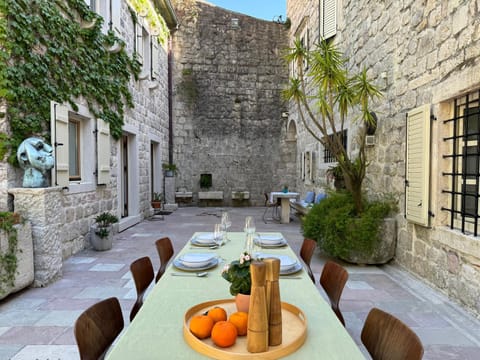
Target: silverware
x,y
200,274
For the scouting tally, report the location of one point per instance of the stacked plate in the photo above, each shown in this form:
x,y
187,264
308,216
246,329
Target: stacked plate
x,y
205,239
196,261
287,264
270,240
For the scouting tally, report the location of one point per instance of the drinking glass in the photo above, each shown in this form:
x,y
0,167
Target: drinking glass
x,y
226,222
218,233
249,225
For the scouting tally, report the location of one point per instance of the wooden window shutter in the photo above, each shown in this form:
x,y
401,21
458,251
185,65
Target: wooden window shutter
x,y
139,41
103,152
418,165
59,124
329,18
116,15
155,58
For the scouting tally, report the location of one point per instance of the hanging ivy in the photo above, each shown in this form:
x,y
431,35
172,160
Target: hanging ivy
x,y
8,257
52,56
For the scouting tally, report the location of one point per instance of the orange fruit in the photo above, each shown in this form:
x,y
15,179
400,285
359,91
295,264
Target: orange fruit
x,y
240,320
201,326
217,314
224,334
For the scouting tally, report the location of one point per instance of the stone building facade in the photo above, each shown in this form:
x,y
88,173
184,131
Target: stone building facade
x,y
422,55
61,215
228,110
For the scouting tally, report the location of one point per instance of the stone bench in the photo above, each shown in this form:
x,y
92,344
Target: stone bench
x,y
210,195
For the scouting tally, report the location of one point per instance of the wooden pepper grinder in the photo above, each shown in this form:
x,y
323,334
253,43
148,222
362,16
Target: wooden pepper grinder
x,y
274,305
257,333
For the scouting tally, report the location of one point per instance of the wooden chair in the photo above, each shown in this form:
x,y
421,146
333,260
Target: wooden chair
x,y
386,337
97,328
165,252
333,280
306,253
271,205
142,271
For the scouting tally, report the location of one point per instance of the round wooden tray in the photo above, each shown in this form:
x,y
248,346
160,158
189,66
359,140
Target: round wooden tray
x,y
294,332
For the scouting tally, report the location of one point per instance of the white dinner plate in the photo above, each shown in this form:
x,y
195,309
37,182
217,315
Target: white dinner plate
x,y
179,265
286,262
203,240
278,243
196,259
292,270
270,238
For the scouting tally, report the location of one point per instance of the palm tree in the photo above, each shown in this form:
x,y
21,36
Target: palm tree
x,y
337,95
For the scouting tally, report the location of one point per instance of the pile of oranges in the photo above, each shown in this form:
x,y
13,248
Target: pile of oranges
x,y
214,324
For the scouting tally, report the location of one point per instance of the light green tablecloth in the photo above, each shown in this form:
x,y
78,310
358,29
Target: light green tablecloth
x,y
156,332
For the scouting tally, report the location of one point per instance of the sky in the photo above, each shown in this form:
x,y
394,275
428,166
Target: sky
x,y
262,9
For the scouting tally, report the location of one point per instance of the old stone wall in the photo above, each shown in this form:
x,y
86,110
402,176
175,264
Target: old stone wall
x,y
228,109
417,52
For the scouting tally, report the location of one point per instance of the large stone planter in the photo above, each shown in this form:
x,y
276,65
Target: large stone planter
x,y
25,270
383,252
101,243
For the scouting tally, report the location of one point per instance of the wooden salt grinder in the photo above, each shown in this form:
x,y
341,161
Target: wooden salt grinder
x,y
274,306
257,333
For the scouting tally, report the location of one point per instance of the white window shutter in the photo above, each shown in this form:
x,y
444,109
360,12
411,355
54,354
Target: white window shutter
x,y
103,152
116,16
59,124
329,18
155,58
139,41
418,165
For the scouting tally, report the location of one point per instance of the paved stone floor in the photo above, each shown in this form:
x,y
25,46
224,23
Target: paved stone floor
x,y
37,323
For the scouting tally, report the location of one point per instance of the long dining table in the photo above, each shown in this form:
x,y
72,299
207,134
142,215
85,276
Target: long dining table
x,y
157,330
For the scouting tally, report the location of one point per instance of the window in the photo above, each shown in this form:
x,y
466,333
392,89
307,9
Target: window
x,y
303,34
328,18
74,149
110,11
143,49
81,148
327,154
465,163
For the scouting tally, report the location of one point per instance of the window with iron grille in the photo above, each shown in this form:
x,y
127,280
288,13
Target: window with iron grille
x,y
327,154
465,164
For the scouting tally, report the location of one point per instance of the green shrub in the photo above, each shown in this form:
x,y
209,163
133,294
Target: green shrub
x,y
339,231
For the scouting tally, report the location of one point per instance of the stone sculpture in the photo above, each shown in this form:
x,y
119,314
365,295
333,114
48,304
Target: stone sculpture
x,y
36,158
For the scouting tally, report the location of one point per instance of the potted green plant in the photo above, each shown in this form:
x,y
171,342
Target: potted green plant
x,y
157,200
169,169
101,235
237,273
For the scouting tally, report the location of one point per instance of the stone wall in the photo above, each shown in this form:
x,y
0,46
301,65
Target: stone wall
x,y
417,52
228,109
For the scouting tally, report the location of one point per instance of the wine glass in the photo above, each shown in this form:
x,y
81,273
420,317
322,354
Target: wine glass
x,y
249,225
218,233
226,222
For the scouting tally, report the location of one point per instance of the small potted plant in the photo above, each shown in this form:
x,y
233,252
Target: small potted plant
x,y
237,273
157,200
169,169
101,236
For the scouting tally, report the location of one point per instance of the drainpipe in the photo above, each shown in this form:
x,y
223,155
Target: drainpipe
x,y
170,97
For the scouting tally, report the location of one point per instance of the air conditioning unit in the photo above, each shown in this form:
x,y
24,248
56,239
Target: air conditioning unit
x,y
370,140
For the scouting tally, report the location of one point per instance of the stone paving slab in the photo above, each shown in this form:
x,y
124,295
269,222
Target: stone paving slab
x,y
37,323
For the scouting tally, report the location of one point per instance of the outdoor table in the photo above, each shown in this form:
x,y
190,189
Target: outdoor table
x,y
157,330
285,203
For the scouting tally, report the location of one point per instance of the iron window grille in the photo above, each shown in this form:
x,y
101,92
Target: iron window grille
x,y
328,156
465,164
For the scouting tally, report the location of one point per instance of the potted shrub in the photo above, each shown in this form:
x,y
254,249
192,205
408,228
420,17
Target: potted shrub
x,y
237,273
101,236
157,200
342,233
169,169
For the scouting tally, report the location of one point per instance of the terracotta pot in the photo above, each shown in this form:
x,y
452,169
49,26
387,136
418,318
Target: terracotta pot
x,y
243,302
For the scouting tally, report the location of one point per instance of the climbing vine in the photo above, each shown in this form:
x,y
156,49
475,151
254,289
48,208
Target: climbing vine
x,y
8,258
51,55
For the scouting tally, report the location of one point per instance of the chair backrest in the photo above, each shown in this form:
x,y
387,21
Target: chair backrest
x,y
333,280
266,199
97,328
320,197
165,252
387,337
142,272
306,253
309,197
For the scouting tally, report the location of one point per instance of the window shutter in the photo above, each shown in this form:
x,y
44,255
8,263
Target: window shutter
x,y
103,152
329,18
418,165
116,15
139,41
59,124
155,58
